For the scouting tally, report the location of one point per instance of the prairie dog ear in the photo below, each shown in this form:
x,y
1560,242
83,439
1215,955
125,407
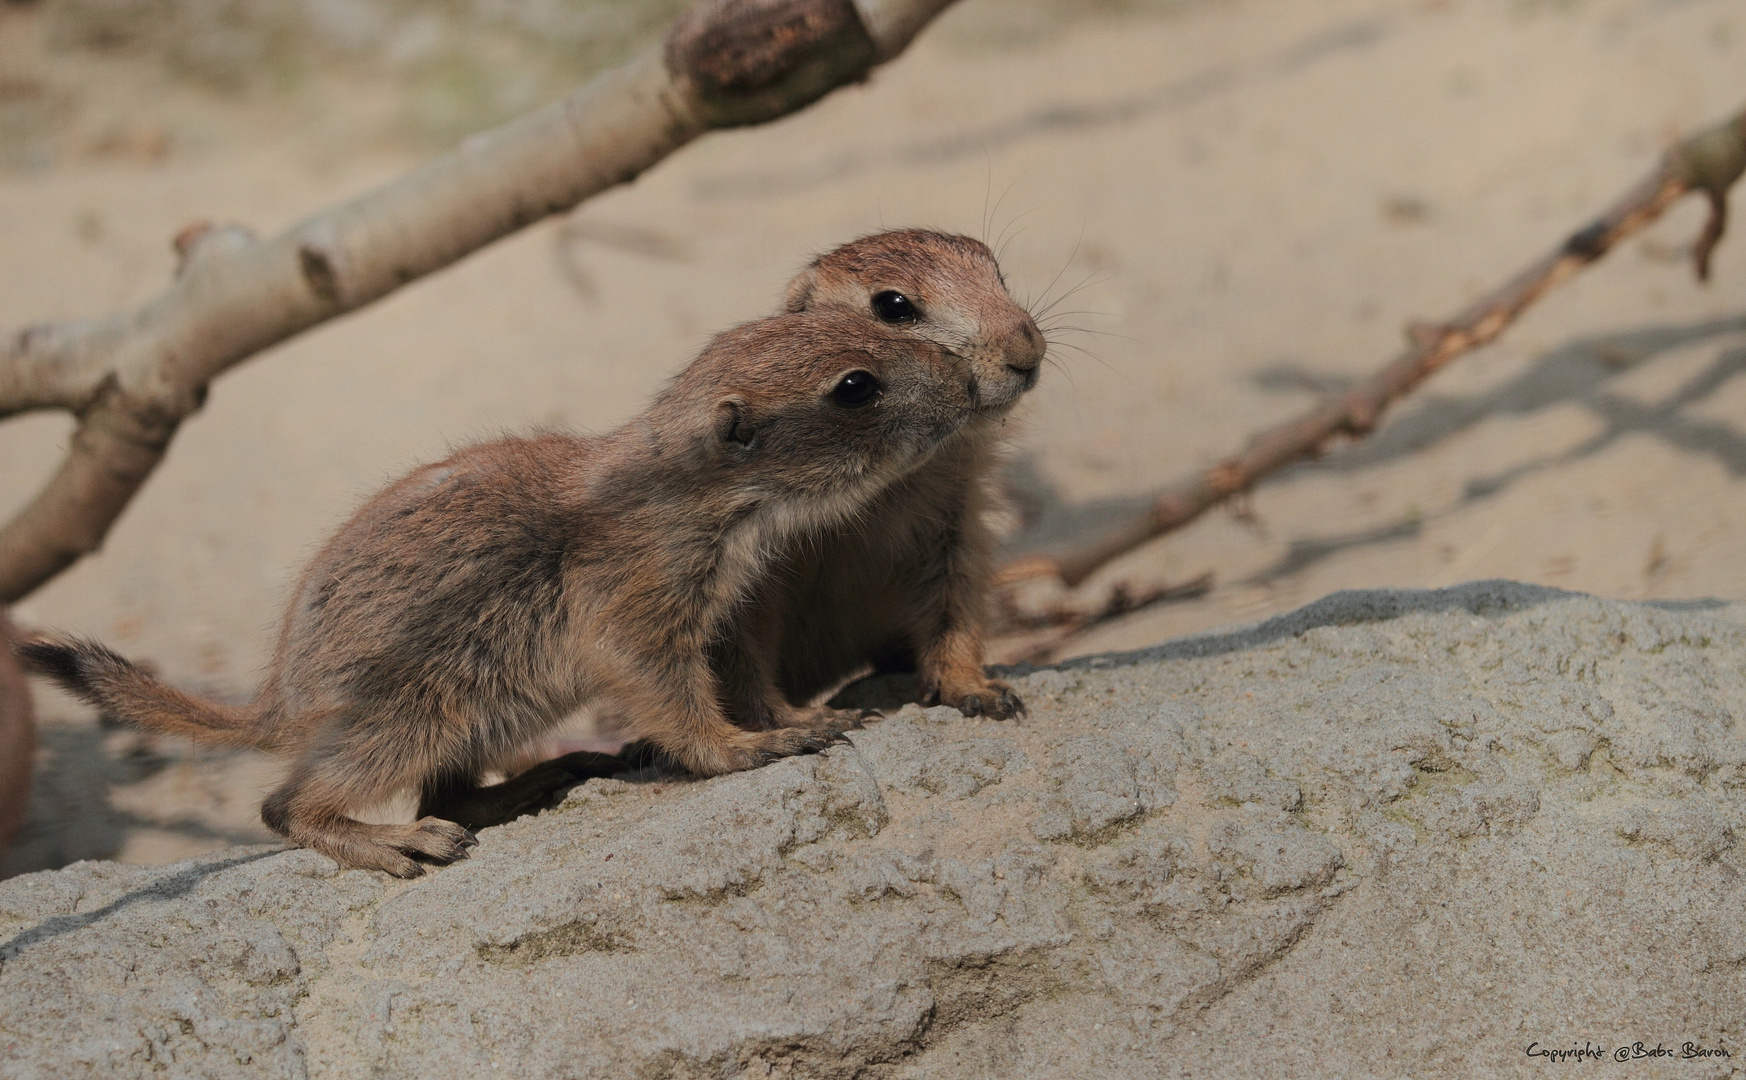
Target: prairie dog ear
x,y
732,423
800,290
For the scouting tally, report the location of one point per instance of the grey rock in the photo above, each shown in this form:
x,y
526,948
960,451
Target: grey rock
x,y
1480,808
1390,832
1111,777
906,753
1241,778
1275,852
1693,827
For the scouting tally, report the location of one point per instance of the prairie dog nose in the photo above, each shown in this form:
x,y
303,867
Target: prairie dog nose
x,y
1026,347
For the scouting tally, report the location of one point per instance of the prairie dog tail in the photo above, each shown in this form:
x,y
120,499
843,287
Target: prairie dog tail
x,y
121,690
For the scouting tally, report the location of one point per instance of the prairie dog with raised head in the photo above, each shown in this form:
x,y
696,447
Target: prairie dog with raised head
x,y
902,586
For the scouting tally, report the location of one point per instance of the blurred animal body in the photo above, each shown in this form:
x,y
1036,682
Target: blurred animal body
x,y
17,739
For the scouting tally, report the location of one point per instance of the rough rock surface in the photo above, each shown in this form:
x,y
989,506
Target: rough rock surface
x,y
1390,833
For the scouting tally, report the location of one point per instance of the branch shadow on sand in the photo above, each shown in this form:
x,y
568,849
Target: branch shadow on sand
x,y
71,816
1060,117
1576,372
1579,372
167,887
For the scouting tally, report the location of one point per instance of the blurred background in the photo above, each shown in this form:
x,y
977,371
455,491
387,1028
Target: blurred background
x,y
1251,199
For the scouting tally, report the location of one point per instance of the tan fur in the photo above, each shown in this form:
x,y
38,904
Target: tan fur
x,y
648,573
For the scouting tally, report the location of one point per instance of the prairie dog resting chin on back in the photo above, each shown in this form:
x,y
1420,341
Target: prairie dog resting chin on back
x,y
474,603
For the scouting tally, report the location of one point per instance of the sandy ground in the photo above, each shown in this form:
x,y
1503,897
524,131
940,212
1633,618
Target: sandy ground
x,y
1250,198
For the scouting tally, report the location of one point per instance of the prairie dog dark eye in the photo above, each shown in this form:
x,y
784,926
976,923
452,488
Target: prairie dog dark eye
x,y
893,307
855,389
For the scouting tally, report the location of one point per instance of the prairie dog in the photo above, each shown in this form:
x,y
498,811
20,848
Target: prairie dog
x,y
469,606
902,586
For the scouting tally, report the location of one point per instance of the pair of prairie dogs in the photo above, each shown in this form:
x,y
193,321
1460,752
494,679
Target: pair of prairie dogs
x,y
802,501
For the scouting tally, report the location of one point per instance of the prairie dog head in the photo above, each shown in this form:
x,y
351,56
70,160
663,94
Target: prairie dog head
x,y
818,409
937,288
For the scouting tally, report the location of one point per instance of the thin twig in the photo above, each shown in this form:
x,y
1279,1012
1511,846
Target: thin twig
x,y
1709,162
134,377
1052,627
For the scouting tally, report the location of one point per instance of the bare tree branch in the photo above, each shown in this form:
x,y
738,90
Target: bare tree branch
x,y
1709,162
133,378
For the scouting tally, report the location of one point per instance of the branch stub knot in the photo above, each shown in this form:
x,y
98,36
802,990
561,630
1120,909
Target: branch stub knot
x,y
751,60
